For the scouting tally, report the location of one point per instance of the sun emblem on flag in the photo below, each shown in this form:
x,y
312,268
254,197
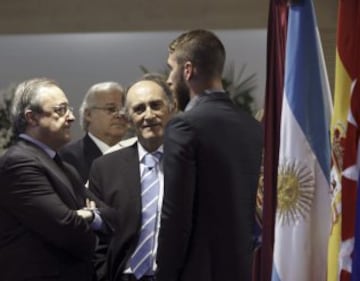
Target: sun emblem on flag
x,y
296,187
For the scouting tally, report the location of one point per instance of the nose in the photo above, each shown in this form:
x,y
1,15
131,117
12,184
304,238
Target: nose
x,y
70,116
149,113
121,113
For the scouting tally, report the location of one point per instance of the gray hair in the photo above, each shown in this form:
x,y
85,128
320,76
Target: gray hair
x,y
90,98
26,97
160,80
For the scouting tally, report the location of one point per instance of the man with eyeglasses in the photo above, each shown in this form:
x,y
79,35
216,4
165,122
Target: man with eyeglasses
x,y
102,118
46,226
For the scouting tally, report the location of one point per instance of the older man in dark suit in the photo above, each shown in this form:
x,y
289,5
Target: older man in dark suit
x,y
122,179
211,167
46,231
102,118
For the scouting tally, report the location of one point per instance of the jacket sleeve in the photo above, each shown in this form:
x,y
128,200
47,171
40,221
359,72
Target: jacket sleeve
x,y
29,195
177,210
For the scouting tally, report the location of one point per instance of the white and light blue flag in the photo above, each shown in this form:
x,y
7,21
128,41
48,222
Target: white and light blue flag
x,y
303,205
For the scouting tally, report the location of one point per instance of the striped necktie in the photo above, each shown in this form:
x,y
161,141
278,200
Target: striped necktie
x,y
142,259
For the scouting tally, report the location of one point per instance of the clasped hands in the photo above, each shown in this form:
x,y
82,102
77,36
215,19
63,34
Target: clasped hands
x,y
87,212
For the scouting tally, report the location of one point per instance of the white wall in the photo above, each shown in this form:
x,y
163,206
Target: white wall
x,y
77,61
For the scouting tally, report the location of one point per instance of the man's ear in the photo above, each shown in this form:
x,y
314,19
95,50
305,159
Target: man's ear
x,y
174,106
31,118
189,70
87,114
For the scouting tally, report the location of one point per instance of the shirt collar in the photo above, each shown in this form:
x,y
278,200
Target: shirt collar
x,y
191,104
100,144
142,151
40,144
195,100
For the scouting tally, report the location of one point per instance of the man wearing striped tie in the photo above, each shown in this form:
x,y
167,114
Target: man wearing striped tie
x,y
131,180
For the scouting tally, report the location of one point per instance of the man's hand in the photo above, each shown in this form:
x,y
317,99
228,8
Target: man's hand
x,y
87,212
90,204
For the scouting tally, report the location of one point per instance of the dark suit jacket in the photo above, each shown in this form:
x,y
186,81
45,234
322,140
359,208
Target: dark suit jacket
x,y
212,157
41,237
115,179
80,154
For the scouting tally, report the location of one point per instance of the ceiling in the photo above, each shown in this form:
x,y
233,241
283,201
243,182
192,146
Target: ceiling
x,y
46,16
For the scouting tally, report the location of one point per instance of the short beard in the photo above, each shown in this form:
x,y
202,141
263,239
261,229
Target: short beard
x,y
182,94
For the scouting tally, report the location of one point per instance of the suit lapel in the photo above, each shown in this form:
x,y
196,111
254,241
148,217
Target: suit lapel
x,y
61,184
64,185
91,150
78,187
131,170
128,203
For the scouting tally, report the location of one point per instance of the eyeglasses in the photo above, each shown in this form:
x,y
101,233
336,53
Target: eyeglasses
x,y
111,109
62,109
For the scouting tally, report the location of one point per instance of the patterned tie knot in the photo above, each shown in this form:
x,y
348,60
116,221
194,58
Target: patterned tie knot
x,y
151,159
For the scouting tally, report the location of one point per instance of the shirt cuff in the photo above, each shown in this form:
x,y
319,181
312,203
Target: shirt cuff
x,y
97,223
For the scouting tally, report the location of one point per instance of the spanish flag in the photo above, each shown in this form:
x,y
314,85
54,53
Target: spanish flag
x,y
344,141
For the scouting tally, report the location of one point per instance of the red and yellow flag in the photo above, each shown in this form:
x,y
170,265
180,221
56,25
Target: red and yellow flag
x,y
344,141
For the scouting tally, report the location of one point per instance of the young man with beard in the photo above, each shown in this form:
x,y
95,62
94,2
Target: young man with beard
x,y
212,157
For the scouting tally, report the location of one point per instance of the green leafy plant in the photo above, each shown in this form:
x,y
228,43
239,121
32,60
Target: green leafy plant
x,y
6,134
240,88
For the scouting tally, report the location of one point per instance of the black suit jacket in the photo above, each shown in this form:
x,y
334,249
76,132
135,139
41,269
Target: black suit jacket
x,y
212,157
80,154
41,237
115,179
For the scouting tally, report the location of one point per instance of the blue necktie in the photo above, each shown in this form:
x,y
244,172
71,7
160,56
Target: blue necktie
x,y
142,259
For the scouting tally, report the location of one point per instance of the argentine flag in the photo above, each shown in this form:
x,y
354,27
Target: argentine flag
x,y
303,205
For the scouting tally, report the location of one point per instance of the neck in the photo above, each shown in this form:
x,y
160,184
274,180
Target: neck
x,y
150,145
109,140
44,140
200,88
